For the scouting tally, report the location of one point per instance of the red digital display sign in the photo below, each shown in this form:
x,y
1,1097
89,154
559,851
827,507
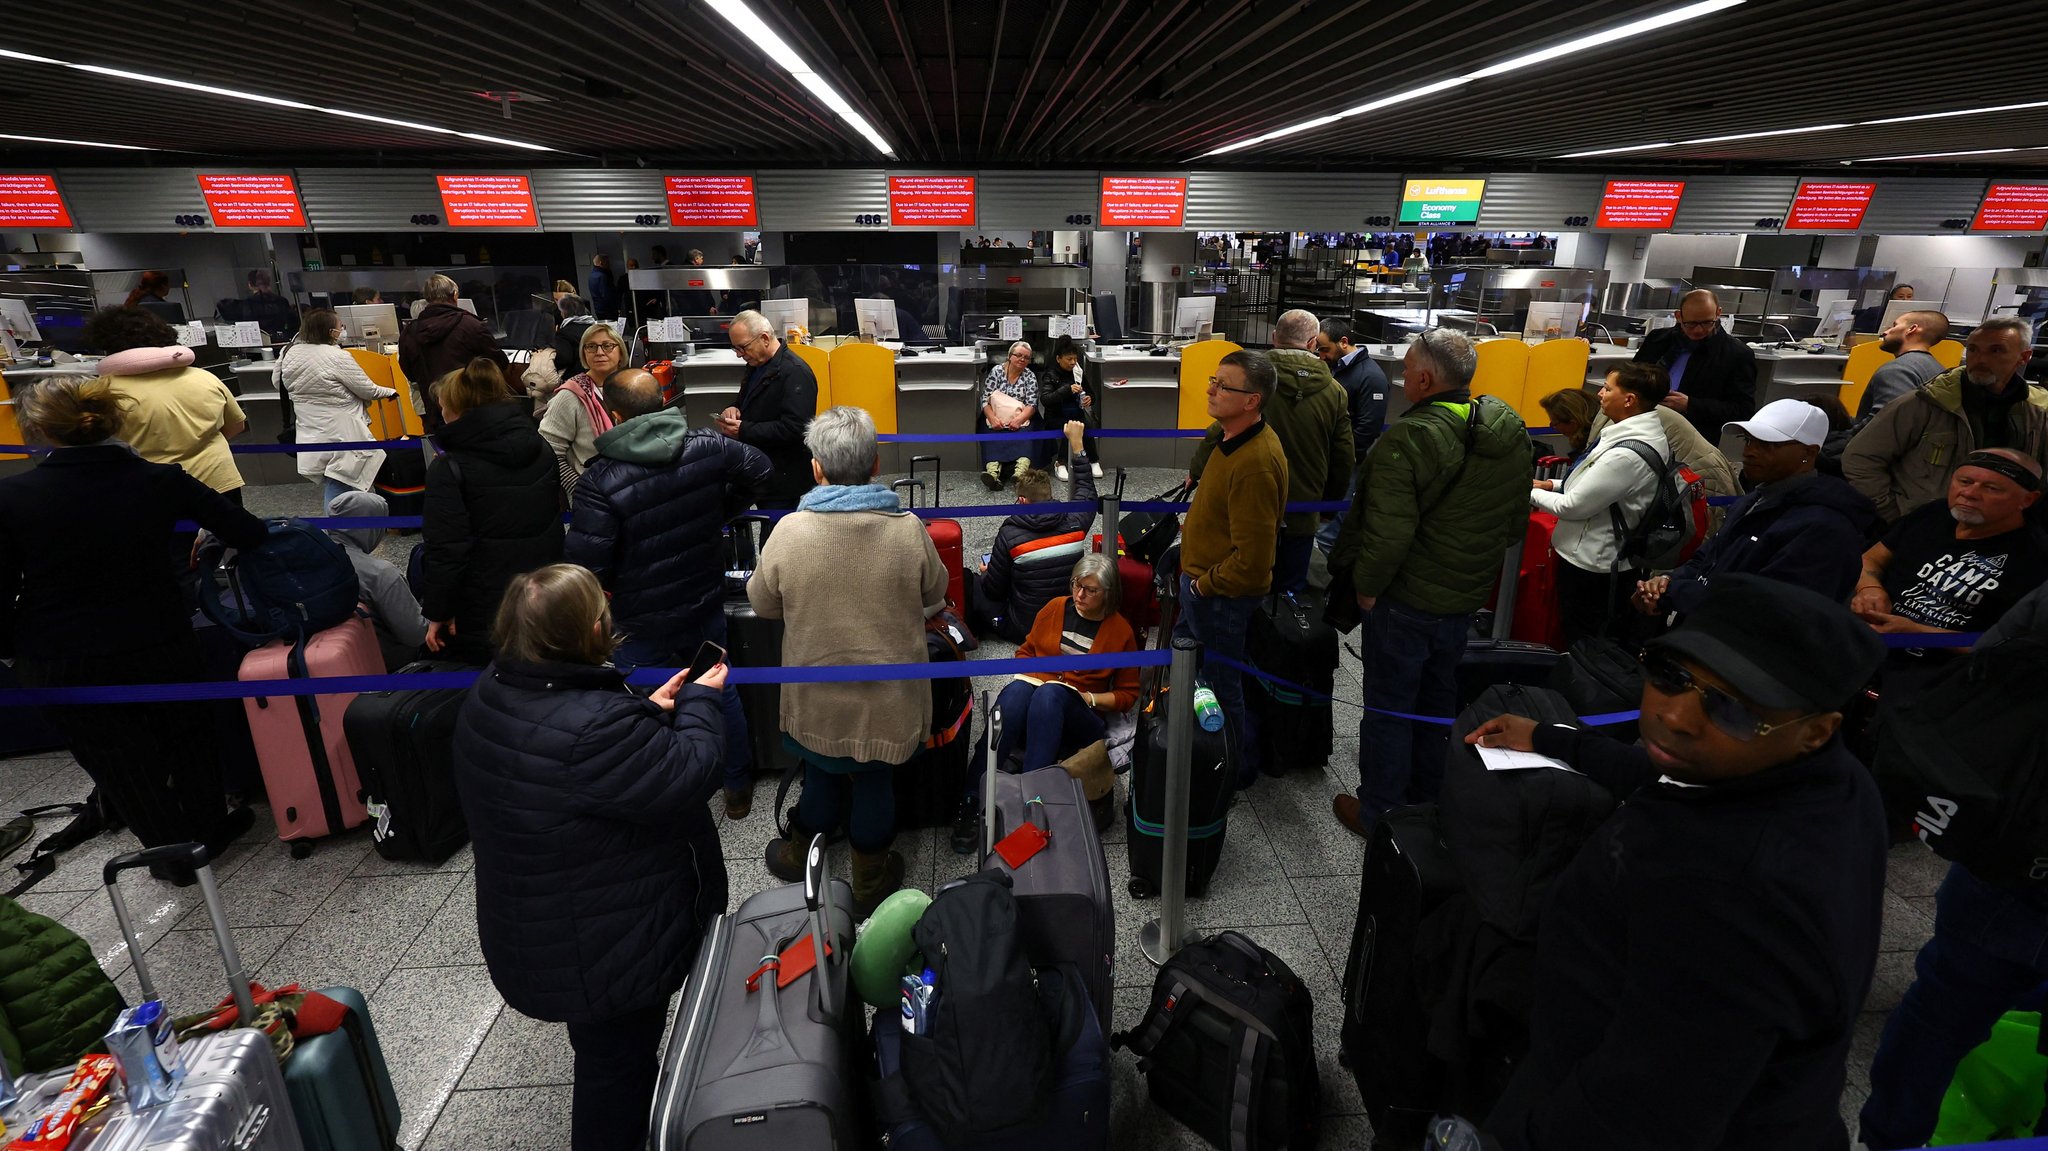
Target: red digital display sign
x,y
32,201
241,200
1142,202
931,201
712,202
487,201
1828,206
1647,204
2012,208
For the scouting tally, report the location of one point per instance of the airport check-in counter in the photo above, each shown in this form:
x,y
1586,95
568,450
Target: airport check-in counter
x,y
1138,390
936,394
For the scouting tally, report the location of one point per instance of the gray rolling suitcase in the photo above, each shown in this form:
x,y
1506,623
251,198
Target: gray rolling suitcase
x,y
234,1094
1062,892
769,1069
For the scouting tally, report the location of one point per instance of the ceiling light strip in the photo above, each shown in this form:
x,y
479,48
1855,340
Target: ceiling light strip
x,y
257,98
1838,127
77,143
749,23
1516,63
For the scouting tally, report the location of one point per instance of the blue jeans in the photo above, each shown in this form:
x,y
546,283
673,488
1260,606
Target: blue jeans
x,y
330,488
1990,949
1411,666
1290,564
1008,451
1053,722
1326,536
637,652
1219,624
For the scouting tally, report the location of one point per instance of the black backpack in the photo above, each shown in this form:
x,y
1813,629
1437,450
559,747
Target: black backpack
x,y
985,1065
1965,765
1675,523
1228,1046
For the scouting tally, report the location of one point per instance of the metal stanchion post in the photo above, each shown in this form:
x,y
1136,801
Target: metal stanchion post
x,y
1168,933
1112,513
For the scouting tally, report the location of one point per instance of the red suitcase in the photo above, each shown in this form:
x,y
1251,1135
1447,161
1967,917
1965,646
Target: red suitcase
x,y
945,534
1139,600
1536,616
301,747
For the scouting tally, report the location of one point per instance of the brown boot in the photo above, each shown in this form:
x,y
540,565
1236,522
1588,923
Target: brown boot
x,y
786,856
876,876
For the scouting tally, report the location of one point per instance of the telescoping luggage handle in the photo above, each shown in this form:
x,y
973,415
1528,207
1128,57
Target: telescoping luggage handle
x,y
994,718
818,898
194,855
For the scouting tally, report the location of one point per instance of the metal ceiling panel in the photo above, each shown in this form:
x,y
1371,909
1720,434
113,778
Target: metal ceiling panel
x,y
1538,201
1904,207
1733,203
600,199
131,199
1038,200
1290,201
368,199
793,201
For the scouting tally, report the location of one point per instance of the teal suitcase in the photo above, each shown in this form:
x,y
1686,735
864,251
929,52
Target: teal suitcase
x,y
340,1089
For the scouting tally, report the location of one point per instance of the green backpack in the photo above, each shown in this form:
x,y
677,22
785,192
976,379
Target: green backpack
x,y
1996,1093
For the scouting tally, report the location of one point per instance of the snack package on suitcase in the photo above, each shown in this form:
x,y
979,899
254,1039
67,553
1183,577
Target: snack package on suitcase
x,y
404,748
755,1061
1036,825
301,748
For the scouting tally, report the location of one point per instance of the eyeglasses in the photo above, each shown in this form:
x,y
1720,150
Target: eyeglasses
x,y
1217,385
738,344
1666,676
1690,325
1081,588
601,347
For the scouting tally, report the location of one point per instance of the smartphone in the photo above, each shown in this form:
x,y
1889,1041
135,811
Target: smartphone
x,y
709,655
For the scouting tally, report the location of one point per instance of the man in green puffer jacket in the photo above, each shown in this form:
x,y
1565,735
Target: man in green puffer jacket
x,y
1438,501
1311,413
55,1002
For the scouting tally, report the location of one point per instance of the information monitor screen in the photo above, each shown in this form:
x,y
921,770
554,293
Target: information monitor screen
x,y
1441,200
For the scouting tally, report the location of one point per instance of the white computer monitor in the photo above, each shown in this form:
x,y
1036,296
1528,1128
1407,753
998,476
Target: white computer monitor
x,y
367,325
877,318
18,320
1194,317
787,314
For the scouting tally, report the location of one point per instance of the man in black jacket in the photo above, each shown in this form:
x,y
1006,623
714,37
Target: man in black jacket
x,y
777,401
1033,556
1713,374
645,519
1354,370
1702,962
444,339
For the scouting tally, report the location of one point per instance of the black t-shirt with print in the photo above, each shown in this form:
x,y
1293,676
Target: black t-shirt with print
x,y
1940,581
1077,633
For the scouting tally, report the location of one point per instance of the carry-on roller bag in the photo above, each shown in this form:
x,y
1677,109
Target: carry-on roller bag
x,y
1212,776
1062,889
763,1057
1289,639
946,536
301,746
404,748
234,1093
1491,662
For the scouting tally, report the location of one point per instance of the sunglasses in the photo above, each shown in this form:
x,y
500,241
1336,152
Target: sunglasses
x,y
1666,676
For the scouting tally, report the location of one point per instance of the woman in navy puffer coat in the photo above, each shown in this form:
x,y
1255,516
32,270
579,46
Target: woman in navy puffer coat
x,y
597,864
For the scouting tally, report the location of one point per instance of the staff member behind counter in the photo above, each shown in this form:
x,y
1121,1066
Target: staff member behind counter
x,y
1713,374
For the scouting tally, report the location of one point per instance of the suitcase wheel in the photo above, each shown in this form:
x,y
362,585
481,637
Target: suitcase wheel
x,y
301,848
1142,888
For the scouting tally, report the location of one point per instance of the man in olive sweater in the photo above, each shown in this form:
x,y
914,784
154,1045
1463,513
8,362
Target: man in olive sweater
x,y
1232,529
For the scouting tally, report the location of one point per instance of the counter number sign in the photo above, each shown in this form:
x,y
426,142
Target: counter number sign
x,y
2006,208
32,201
252,200
1143,202
487,201
712,202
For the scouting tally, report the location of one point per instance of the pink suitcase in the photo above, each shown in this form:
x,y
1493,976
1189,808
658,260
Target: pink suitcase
x,y
300,745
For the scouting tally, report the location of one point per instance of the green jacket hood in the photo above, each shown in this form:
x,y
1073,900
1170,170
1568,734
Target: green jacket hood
x,y
655,438
1302,374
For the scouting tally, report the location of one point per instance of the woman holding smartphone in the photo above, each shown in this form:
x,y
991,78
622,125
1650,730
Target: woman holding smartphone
x,y
597,863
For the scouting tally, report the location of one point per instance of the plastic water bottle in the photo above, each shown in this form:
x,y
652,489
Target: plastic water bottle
x,y
1208,712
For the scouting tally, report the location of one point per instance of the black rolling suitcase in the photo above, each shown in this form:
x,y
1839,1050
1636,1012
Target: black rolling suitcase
x,y
1289,639
404,748
402,481
1489,662
1385,1034
1212,770
751,641
779,1067
1062,891
1600,677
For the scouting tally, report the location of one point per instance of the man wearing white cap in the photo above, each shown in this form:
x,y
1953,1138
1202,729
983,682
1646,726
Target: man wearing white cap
x,y
1796,525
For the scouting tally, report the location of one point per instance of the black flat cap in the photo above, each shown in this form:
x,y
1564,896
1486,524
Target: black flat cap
x,y
1777,644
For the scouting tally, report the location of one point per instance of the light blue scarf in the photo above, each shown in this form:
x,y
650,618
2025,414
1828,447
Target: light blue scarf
x,y
850,498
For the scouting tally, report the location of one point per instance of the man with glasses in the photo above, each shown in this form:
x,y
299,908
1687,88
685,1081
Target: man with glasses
x,y
1703,960
777,400
1713,374
444,339
1230,535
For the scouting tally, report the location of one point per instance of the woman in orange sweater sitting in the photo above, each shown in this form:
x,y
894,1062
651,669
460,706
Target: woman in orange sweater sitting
x,y
1054,714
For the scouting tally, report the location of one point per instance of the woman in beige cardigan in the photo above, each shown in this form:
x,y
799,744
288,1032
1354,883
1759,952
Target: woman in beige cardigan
x,y
853,577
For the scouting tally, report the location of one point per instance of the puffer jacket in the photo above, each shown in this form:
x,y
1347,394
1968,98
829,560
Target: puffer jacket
x,y
1033,558
597,864
1809,530
1609,477
1311,413
1904,457
500,516
646,518
55,1002
1416,537
444,339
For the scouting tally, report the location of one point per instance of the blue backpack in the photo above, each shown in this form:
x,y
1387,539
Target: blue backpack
x,y
297,583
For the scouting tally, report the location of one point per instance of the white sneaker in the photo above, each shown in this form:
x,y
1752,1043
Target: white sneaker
x,y
1095,469
1061,471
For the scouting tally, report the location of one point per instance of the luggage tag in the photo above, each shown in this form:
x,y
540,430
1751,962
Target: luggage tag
x,y
793,964
1028,840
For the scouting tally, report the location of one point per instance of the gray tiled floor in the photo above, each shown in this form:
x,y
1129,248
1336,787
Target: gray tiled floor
x,y
471,1073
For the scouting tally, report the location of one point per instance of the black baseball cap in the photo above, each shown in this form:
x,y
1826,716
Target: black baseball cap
x,y
1777,644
